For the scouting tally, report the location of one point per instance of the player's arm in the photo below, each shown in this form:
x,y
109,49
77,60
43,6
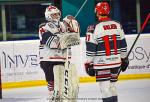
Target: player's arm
x,y
124,59
48,38
91,46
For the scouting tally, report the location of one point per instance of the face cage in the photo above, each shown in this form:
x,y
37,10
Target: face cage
x,y
50,17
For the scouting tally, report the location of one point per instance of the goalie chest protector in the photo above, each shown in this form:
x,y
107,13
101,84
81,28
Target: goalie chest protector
x,y
48,49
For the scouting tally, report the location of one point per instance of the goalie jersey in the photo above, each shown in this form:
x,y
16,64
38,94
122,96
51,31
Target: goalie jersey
x,y
105,44
49,42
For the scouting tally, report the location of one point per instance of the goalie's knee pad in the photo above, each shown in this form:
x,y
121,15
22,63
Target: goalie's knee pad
x,y
75,82
105,89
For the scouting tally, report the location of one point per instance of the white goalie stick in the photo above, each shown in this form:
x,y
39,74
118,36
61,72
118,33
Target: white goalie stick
x,y
143,26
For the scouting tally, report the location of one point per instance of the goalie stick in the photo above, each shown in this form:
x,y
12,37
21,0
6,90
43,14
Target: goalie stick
x,y
143,26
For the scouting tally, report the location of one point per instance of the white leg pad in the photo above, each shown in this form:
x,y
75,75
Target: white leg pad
x,y
75,82
58,80
70,83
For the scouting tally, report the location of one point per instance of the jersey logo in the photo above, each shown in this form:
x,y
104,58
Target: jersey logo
x,y
50,25
108,27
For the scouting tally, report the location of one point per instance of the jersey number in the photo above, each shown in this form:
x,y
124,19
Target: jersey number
x,y
106,40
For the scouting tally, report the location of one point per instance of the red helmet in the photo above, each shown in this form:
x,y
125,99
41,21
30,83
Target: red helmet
x,y
102,8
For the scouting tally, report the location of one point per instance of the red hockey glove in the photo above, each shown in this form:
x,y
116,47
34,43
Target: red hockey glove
x,y
125,63
89,69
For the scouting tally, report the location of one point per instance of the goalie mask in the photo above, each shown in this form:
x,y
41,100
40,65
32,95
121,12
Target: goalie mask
x,y
71,24
52,13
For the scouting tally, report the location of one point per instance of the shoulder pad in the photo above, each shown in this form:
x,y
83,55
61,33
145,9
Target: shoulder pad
x,y
51,25
90,28
42,24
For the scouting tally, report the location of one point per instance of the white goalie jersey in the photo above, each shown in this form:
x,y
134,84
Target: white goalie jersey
x,y
49,41
54,39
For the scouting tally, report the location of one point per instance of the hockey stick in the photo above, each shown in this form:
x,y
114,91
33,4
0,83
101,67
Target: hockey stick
x,y
80,8
143,26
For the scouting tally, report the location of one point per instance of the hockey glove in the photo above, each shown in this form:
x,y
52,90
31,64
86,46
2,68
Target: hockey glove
x,y
71,24
125,63
89,69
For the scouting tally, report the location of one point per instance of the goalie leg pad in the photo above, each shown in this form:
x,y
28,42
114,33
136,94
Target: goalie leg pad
x,y
75,82
58,81
71,81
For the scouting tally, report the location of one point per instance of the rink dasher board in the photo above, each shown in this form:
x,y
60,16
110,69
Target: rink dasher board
x,y
20,62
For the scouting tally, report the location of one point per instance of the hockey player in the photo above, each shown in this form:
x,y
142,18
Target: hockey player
x,y
50,55
52,51
106,52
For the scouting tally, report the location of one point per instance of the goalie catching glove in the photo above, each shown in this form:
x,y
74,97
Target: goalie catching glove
x,y
71,37
89,69
125,63
71,24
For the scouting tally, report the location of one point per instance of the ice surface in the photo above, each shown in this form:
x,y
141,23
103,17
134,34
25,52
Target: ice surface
x,y
128,91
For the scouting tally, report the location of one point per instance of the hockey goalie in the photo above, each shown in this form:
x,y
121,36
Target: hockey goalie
x,y
56,40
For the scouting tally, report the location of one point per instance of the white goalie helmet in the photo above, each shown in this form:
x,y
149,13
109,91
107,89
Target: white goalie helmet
x,y
52,11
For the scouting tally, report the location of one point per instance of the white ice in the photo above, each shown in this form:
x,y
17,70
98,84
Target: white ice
x,y
128,91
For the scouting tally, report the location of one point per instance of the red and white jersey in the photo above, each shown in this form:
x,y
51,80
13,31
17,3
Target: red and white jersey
x,y
49,41
105,44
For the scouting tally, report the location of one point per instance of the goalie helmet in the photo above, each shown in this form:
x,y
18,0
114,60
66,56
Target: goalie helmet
x,y
102,8
52,13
